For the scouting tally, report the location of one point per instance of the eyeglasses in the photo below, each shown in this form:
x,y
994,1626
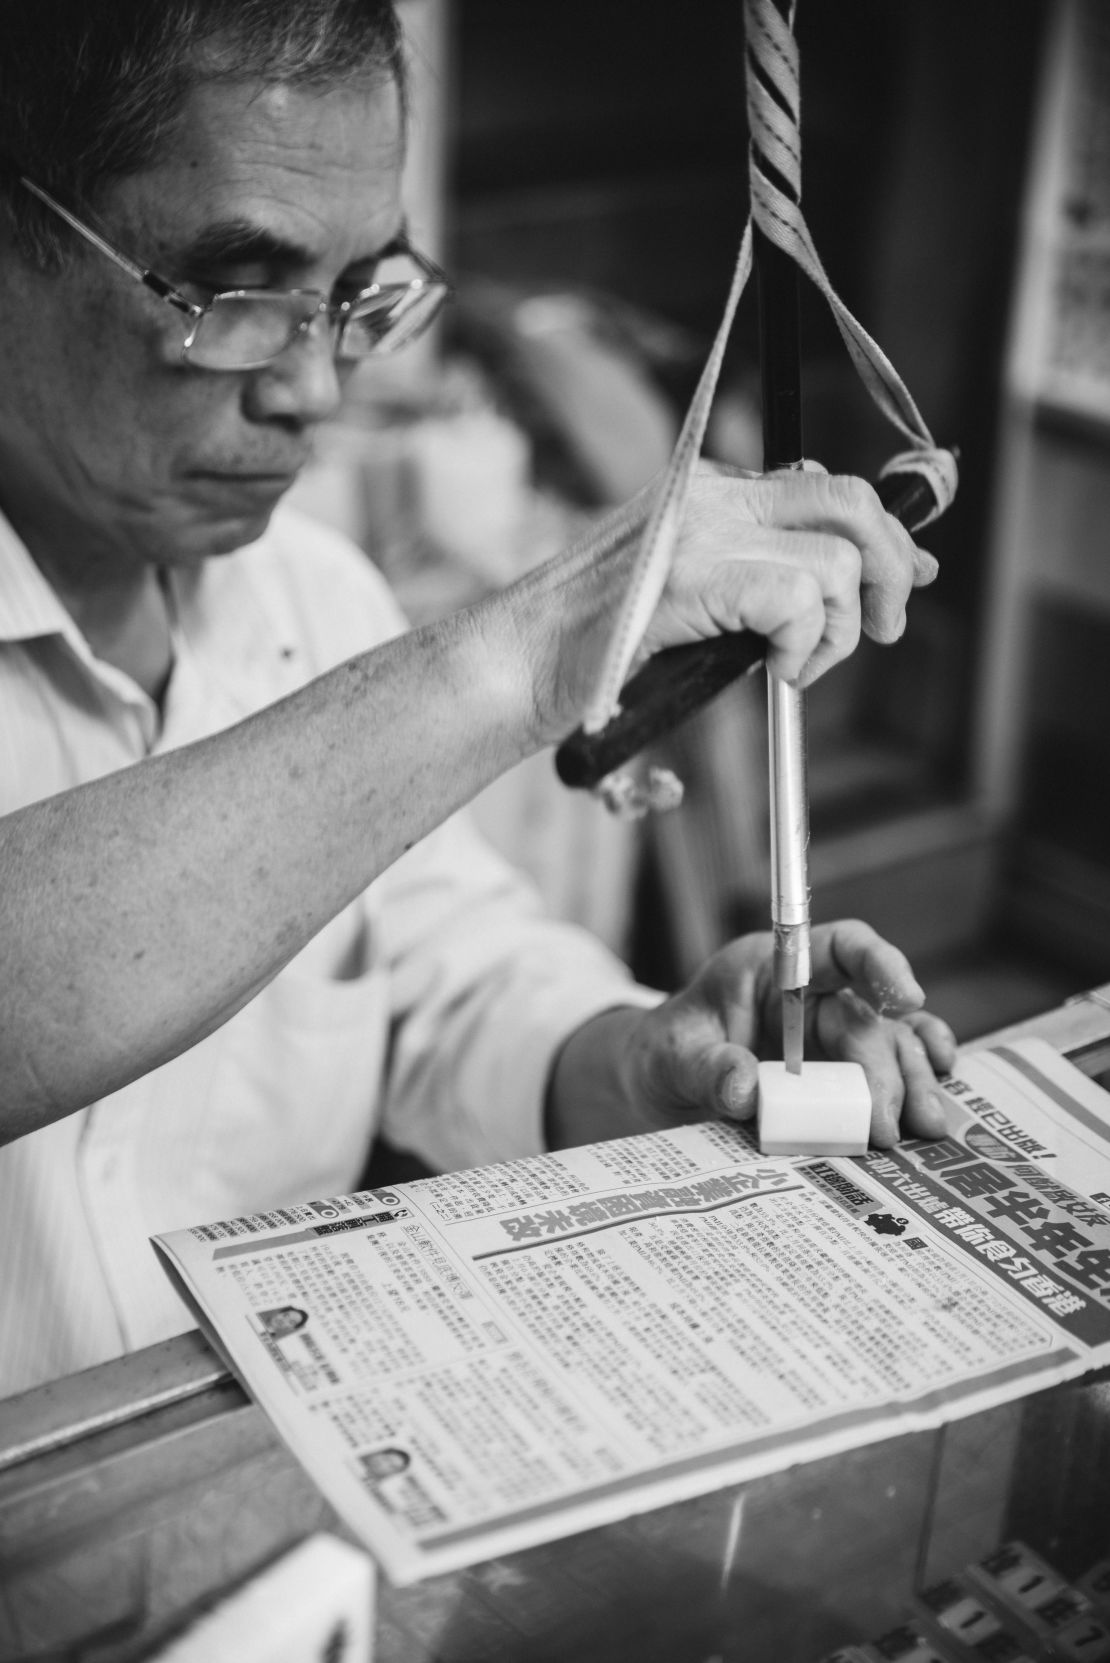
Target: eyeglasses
x,y
246,329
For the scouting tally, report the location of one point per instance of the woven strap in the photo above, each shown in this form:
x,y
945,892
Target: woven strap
x,y
774,107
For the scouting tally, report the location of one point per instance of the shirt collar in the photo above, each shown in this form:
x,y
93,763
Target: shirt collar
x,y
28,605
218,608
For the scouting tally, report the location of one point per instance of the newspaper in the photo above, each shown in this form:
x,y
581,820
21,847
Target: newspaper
x,y
473,1364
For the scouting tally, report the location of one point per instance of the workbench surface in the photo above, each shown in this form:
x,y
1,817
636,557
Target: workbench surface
x,y
132,1495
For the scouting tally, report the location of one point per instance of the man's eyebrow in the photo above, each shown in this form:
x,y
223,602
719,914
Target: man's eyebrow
x,y
239,242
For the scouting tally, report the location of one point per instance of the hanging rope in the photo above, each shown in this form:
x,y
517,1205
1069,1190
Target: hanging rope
x,y
775,149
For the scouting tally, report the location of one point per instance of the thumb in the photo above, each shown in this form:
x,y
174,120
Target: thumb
x,y
729,1081
806,465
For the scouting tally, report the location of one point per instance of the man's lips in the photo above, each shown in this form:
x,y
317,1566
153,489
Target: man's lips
x,y
290,472
246,479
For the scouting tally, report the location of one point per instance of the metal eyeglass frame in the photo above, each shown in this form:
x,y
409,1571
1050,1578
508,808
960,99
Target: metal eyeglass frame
x,y
340,313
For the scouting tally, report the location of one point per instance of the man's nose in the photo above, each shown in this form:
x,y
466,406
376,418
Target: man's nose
x,y
302,384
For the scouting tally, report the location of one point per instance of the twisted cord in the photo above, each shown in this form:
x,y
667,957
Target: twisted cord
x,y
775,189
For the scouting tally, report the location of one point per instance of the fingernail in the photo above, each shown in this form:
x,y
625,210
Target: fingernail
x,y
739,1095
939,1102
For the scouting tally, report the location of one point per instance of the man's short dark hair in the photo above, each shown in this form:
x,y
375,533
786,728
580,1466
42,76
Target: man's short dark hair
x,y
90,90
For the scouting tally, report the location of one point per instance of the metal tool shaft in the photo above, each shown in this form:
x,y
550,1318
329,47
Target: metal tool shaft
x,y
781,385
789,848
790,817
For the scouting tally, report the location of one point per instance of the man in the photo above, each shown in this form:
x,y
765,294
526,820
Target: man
x,y
242,927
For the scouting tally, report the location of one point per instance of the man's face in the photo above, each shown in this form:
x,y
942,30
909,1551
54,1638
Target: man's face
x,y
286,1319
113,452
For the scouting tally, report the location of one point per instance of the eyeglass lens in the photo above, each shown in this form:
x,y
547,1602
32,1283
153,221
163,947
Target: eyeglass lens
x,y
240,331
382,323
243,331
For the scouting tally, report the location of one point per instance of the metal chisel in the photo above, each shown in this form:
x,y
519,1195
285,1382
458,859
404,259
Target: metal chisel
x,y
789,849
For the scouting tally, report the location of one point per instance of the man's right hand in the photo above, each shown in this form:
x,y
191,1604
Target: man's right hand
x,y
807,559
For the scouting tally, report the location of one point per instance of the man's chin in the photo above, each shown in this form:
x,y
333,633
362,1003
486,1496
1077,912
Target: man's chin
x,y
210,537
221,512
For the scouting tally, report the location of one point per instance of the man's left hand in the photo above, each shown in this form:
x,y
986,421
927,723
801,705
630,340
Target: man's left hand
x,y
696,1056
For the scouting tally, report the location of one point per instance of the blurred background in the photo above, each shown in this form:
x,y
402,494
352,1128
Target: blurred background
x,y
580,168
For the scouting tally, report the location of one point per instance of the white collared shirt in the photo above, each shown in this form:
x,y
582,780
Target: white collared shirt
x,y
430,1008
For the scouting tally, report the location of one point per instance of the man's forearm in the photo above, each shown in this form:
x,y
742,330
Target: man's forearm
x,y
140,911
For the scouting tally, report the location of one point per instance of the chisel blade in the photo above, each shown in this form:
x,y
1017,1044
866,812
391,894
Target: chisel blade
x,y
793,1027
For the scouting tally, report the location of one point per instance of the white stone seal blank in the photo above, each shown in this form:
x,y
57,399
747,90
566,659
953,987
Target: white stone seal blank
x,y
824,1110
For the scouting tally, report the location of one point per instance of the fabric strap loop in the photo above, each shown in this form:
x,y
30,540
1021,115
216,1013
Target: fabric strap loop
x,y
774,109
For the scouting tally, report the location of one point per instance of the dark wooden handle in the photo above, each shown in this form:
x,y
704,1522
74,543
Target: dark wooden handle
x,y
678,681
671,686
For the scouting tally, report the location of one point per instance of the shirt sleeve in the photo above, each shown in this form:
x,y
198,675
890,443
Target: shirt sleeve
x,y
484,990
484,986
